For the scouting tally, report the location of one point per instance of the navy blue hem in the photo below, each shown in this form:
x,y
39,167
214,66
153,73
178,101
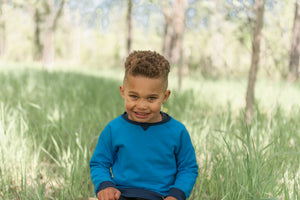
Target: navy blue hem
x,y
177,193
145,126
140,193
103,185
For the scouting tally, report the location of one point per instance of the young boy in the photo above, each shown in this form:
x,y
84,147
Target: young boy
x,y
144,154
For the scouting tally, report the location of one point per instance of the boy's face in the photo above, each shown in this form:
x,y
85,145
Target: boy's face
x,y
143,98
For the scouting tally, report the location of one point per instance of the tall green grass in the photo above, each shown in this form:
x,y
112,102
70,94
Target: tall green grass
x,y
50,123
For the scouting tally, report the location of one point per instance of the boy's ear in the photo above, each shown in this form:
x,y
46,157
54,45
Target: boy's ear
x,y
122,91
166,96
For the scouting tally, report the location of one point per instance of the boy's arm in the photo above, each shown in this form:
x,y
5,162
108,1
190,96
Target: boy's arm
x,y
102,161
187,168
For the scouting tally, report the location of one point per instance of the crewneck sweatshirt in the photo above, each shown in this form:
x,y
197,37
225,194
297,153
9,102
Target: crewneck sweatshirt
x,y
146,160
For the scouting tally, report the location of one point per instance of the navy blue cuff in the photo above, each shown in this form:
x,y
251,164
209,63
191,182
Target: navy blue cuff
x,y
177,193
103,185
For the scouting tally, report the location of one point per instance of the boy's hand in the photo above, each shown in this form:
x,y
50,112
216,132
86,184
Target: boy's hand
x,y
170,198
109,193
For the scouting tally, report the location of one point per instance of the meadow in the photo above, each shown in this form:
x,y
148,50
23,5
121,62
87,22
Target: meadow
x,y
50,122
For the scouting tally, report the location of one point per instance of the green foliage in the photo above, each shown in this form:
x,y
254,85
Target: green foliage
x,y
217,39
49,127
50,123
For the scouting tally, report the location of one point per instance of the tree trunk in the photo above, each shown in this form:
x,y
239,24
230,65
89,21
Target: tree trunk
x,y
167,35
38,47
50,27
295,46
173,35
179,24
216,39
129,26
250,96
48,52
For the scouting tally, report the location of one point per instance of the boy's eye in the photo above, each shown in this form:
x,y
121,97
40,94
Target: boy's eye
x,y
152,98
133,96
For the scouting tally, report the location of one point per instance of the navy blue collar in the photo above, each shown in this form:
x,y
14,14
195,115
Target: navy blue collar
x,y
145,126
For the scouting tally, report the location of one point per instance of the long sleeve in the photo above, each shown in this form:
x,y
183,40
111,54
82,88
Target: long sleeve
x,y
187,168
102,160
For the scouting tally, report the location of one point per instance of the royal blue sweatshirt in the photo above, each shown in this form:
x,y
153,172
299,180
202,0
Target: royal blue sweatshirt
x,y
146,160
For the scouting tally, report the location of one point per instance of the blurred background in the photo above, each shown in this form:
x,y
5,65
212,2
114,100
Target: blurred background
x,y
234,81
211,38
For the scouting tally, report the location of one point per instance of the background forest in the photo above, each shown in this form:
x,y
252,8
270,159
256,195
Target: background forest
x,y
217,34
234,82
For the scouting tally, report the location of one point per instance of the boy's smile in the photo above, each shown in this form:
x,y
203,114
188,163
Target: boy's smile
x,y
143,98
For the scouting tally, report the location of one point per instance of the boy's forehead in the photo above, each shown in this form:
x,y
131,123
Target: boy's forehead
x,y
143,82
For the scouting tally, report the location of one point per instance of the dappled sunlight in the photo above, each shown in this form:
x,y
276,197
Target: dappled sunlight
x,y
19,154
52,124
62,62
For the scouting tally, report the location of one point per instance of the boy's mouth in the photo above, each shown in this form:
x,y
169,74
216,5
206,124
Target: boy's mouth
x,y
141,115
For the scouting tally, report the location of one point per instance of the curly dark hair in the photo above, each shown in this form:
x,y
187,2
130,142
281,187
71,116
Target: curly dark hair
x,y
147,63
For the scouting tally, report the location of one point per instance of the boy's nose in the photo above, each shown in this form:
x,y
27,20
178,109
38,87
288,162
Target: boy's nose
x,y
141,104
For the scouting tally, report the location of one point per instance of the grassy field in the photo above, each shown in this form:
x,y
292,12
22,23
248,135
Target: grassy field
x,y
50,123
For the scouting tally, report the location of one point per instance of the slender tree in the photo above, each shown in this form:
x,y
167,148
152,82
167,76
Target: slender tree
x,y
129,25
167,32
51,21
36,11
257,35
174,34
45,14
295,46
38,47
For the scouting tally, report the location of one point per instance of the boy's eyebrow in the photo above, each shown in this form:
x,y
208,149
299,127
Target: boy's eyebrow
x,y
152,95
